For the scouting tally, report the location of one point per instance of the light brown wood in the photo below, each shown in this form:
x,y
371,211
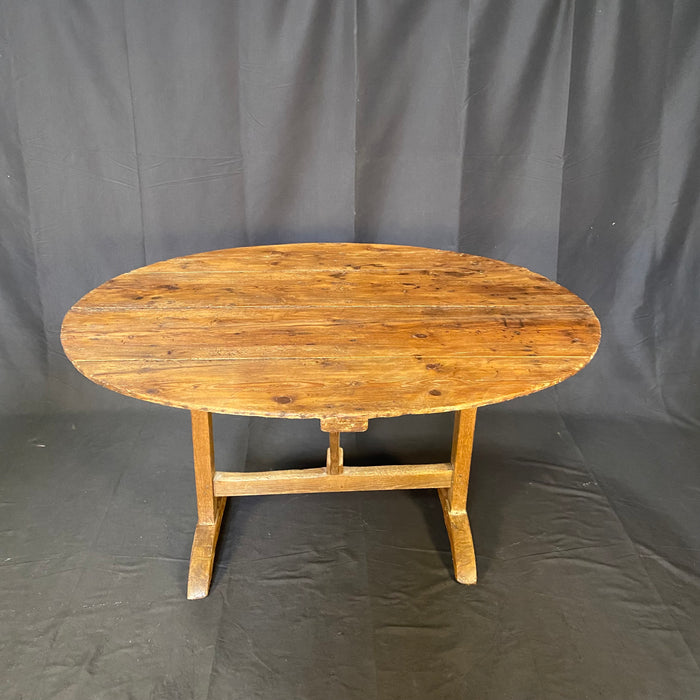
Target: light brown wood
x,y
462,443
454,499
202,554
379,287
344,425
461,544
423,384
203,448
210,508
304,332
341,332
334,459
382,478
351,256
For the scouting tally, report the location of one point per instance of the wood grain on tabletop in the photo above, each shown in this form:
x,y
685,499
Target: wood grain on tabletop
x,y
329,330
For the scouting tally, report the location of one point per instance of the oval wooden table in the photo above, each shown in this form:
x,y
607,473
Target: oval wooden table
x,y
340,332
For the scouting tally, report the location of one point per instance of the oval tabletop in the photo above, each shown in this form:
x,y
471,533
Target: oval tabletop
x,y
329,330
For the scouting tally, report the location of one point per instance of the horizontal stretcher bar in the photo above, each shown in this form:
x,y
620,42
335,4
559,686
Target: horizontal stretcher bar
x,y
381,478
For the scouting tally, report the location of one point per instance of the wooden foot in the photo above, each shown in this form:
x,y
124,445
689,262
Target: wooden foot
x,y
202,556
454,498
210,508
461,544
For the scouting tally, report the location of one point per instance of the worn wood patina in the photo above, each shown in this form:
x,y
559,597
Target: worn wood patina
x,y
340,332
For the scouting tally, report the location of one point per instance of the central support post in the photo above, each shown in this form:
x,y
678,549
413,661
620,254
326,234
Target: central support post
x,y
334,458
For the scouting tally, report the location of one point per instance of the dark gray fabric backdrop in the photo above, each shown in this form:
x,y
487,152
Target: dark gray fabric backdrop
x,y
562,136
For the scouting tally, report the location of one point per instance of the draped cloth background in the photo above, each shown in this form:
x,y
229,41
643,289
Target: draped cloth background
x,y
559,135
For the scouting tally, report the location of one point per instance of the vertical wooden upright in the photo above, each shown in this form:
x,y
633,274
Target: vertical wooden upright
x,y
454,498
210,508
334,456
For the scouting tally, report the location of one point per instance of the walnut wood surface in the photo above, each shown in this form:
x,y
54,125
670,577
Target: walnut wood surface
x,y
337,331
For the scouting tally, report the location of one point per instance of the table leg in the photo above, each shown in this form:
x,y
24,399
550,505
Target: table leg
x,y
454,498
210,508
